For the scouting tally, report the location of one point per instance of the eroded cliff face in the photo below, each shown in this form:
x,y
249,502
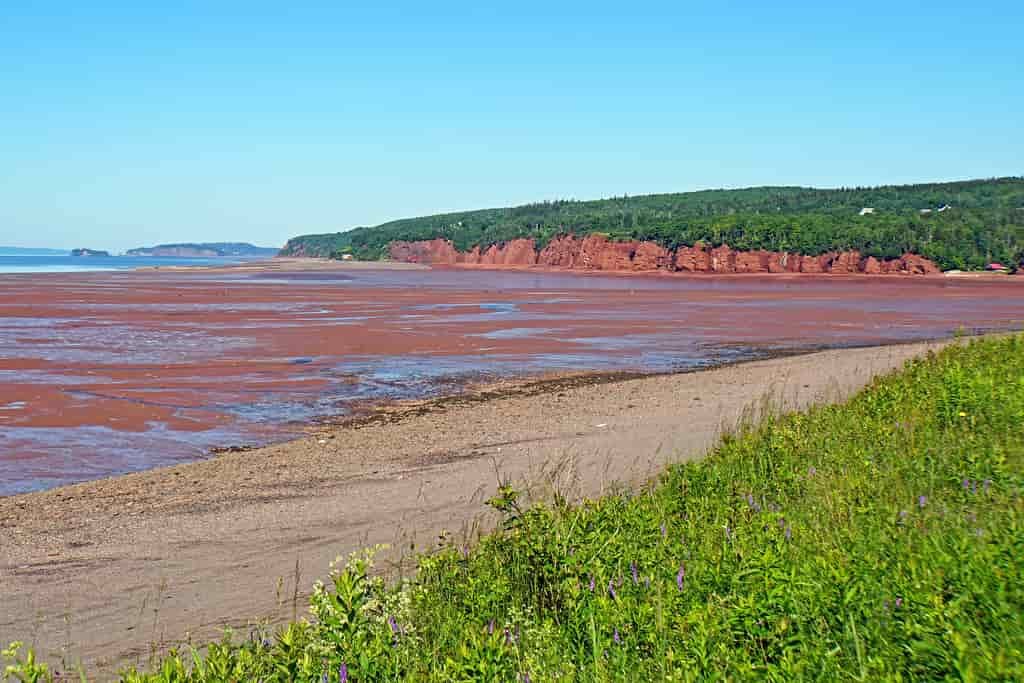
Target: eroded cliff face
x,y
597,252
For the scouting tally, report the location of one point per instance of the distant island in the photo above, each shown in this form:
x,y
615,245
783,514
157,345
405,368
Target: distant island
x,y
203,250
89,252
964,225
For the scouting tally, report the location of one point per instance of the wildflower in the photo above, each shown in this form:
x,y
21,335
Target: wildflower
x,y
680,576
811,471
526,678
664,531
394,626
490,627
789,532
903,515
899,602
343,673
616,638
323,677
782,523
633,571
508,637
591,583
611,589
921,501
728,532
967,484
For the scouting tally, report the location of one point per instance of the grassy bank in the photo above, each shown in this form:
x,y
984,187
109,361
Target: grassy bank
x,y
880,539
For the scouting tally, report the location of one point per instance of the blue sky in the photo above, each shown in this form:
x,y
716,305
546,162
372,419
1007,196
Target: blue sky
x,y
124,124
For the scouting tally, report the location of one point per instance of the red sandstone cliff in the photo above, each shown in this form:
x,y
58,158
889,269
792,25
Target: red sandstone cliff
x,y
597,252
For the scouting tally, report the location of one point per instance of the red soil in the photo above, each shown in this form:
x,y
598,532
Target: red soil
x,y
207,358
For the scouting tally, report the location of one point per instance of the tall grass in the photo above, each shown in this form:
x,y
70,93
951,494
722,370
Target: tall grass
x,y
877,540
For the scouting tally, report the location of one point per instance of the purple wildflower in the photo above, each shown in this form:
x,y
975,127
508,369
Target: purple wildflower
x,y
526,678
974,486
922,501
680,576
782,523
789,532
343,673
611,589
967,484
664,530
899,602
591,583
394,626
633,571
323,677
616,638
903,515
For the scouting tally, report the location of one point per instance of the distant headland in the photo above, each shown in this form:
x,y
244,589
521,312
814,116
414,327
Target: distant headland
x,y
203,250
89,252
953,226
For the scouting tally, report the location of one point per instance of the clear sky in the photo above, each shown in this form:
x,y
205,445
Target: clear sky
x,y
130,123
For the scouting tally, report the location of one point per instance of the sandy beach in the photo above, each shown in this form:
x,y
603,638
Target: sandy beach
x,y
105,572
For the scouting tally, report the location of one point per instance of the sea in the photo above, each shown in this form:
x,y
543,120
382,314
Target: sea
x,y
65,263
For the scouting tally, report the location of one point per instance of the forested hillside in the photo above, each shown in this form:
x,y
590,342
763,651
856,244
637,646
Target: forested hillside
x,y
958,225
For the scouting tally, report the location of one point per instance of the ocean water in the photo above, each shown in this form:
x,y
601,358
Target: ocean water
x,y
21,263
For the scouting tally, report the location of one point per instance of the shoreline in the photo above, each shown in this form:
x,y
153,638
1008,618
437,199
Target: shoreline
x,y
384,412
109,373
326,263
103,570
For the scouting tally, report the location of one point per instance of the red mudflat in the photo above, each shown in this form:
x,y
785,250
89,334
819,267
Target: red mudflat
x,y
103,373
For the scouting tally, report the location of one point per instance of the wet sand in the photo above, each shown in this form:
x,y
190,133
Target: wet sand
x,y
105,571
108,373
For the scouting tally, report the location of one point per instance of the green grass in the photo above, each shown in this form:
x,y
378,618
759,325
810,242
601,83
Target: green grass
x,y
877,540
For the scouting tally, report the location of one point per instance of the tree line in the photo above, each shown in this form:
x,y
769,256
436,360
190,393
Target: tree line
x,y
963,225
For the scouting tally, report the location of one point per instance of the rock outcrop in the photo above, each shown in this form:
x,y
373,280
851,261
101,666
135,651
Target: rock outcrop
x,y
435,251
597,252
